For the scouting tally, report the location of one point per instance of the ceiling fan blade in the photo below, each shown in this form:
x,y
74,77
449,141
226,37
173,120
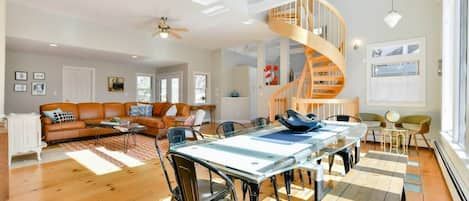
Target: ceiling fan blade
x,y
174,34
180,29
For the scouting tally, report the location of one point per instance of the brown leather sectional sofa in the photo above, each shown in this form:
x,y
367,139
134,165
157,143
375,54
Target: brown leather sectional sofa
x,y
89,113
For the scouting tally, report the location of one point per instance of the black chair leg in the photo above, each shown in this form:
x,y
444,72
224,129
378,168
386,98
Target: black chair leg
x,y
309,176
245,189
273,179
287,177
410,138
374,136
331,162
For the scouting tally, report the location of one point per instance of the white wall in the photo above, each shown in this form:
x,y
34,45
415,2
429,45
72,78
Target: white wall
x,y
2,55
364,20
42,26
20,102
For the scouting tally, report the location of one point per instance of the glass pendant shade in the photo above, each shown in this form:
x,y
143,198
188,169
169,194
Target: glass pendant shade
x,y
392,18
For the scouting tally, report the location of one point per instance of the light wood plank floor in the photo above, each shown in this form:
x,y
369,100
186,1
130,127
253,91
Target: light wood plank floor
x,y
68,180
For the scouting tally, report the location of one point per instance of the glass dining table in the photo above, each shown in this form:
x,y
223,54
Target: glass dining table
x,y
254,155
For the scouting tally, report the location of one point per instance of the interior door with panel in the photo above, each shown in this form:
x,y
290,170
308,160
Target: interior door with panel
x,y
78,84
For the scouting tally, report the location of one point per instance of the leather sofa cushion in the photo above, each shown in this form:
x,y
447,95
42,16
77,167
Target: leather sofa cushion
x,y
93,121
65,126
114,110
150,122
160,108
90,111
66,107
184,110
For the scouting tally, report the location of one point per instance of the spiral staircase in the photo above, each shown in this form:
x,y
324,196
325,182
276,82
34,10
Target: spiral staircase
x,y
321,29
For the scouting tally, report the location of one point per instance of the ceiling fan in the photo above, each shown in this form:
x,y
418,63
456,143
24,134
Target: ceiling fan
x,y
164,30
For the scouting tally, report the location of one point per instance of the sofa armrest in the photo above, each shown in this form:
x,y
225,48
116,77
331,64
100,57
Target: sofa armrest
x,y
168,121
46,120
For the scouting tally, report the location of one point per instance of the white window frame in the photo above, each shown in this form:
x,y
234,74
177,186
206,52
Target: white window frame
x,y
153,85
419,57
207,92
160,76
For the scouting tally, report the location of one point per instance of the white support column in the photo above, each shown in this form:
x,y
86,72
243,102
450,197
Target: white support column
x,y
284,60
261,54
2,55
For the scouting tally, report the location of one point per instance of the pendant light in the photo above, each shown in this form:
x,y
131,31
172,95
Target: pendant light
x,y
393,17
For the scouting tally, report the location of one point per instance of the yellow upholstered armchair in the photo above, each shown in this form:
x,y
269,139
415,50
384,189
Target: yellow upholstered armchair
x,y
373,121
416,124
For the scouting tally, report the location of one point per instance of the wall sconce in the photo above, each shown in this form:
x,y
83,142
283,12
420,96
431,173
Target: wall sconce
x,y
356,44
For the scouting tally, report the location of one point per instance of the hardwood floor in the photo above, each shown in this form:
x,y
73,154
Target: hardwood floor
x,y
68,180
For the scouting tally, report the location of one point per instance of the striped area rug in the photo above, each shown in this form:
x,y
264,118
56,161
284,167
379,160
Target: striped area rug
x,y
144,150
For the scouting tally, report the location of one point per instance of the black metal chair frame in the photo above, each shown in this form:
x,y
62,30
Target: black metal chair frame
x,y
222,127
345,154
186,191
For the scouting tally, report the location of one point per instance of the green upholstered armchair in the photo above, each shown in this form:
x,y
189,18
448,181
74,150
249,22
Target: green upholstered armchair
x,y
373,121
417,124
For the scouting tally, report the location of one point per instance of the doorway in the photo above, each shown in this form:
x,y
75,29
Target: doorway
x,y
78,84
170,87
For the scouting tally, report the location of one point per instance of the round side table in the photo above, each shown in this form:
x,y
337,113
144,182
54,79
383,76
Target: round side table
x,y
396,138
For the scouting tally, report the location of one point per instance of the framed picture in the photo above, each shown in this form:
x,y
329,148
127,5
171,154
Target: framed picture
x,y
38,88
21,75
20,87
115,84
39,76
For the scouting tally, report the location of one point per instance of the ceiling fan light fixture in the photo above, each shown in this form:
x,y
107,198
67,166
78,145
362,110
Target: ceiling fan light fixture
x,y
392,18
164,34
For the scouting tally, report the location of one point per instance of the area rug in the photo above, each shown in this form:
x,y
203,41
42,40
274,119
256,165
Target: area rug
x,y
112,148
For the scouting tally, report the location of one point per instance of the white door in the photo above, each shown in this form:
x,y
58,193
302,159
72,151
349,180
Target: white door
x,y
170,87
78,84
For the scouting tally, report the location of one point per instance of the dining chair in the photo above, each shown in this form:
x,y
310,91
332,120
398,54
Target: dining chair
x,y
228,128
373,121
177,135
260,122
191,188
346,153
416,124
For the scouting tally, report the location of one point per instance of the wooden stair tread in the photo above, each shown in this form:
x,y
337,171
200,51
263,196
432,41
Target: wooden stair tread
x,y
325,68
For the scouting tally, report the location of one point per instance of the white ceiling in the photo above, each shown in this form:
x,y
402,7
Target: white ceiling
x,y
224,30
24,45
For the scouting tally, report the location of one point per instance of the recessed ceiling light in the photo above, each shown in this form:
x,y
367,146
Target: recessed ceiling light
x,y
247,22
53,45
134,56
213,9
218,12
205,2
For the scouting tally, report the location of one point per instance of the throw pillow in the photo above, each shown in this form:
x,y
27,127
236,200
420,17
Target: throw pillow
x,y
64,116
134,111
51,114
172,111
189,121
146,109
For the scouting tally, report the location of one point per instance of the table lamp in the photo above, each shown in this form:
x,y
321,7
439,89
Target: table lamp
x,y
393,117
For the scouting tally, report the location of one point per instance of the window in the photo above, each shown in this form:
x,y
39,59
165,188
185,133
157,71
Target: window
x,y
201,83
396,73
163,90
174,90
144,88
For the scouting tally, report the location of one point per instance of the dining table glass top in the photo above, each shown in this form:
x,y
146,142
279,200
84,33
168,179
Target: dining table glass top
x,y
255,154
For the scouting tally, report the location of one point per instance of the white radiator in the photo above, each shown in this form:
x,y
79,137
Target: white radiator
x,y
455,183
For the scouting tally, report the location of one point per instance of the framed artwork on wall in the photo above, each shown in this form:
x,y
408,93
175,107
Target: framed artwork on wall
x,y
115,84
38,88
39,76
21,75
20,87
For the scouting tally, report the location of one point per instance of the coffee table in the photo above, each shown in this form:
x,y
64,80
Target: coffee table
x,y
127,130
